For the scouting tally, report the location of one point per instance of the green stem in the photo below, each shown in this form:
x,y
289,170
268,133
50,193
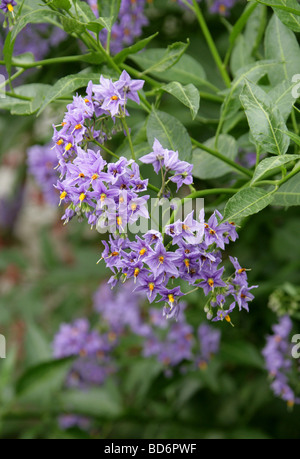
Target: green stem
x,y
128,137
106,149
16,96
223,158
54,60
288,176
211,44
202,194
15,75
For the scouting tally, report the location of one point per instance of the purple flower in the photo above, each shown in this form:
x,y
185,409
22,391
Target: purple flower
x,y
224,314
162,262
211,280
8,5
150,284
129,87
156,157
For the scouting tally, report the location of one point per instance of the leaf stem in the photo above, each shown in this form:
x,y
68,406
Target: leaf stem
x,y
223,158
211,44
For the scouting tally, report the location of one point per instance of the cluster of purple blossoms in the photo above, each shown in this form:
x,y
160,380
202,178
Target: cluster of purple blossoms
x,y
122,311
279,361
195,256
129,24
41,162
93,189
108,196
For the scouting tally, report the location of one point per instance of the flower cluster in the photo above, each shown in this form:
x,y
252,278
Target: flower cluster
x,y
108,196
41,162
172,344
129,24
279,361
87,183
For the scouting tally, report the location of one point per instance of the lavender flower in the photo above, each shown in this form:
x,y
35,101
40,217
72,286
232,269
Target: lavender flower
x,y
8,6
279,362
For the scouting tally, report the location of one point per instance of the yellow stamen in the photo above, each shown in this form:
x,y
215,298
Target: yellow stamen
x,y
114,254
94,177
68,147
202,365
112,336
222,9
151,287
187,262
121,200
242,270
136,272
63,123
81,175
82,197
10,8
161,259
114,98
78,126
210,282
133,207
63,195
171,298
102,197
60,142
143,251
119,221
290,403
227,318
86,101
185,227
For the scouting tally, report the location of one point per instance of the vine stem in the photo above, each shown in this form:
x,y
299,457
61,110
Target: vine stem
x,y
211,44
106,149
223,158
128,137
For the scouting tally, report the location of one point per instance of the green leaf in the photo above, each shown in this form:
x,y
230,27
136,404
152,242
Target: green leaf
x,y
188,95
282,97
42,380
281,44
241,55
269,164
265,120
71,25
241,22
62,4
288,12
109,9
170,132
207,166
99,24
252,72
135,383
289,193
39,16
186,70
293,136
66,86
171,55
99,402
255,28
122,55
36,91
37,347
83,11
246,202
8,52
